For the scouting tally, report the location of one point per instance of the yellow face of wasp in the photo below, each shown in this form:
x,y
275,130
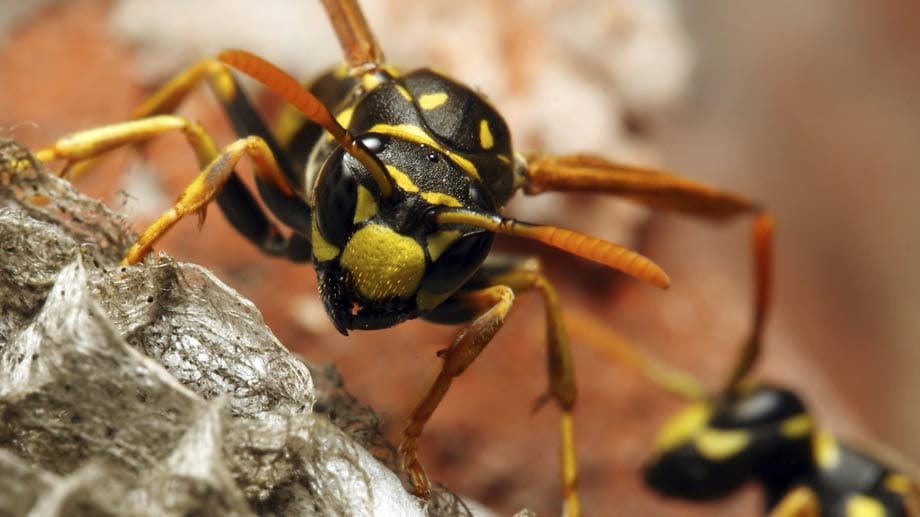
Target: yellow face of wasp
x,y
383,264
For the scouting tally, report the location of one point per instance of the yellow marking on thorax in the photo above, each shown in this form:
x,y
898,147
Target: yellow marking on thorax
x,y
898,483
430,101
370,81
864,506
402,179
404,92
796,426
383,264
439,241
504,159
418,135
485,135
682,426
827,451
365,207
322,250
718,444
440,198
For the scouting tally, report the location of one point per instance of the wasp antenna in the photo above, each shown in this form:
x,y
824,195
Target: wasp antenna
x,y
612,255
290,90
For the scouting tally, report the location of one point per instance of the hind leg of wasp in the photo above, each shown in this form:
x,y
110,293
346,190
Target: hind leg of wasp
x,y
661,190
507,277
253,223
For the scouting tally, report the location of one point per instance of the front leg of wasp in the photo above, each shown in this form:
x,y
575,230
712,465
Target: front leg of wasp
x,y
490,302
217,171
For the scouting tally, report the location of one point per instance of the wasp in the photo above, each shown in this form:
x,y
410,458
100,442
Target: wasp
x,y
754,432
392,184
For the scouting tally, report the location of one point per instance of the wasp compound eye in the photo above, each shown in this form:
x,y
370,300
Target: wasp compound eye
x,y
336,198
458,262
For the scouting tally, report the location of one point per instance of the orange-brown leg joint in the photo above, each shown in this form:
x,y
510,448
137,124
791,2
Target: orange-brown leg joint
x,y
495,302
204,188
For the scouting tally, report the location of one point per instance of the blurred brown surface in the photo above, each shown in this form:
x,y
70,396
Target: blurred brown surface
x,y
810,109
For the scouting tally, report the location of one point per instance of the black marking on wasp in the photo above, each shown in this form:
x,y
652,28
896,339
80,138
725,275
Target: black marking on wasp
x,y
392,184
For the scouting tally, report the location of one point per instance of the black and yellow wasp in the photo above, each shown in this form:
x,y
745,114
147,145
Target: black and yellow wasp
x,y
392,184
753,432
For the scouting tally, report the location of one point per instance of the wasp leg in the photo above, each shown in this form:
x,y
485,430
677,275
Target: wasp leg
x,y
661,190
491,305
87,145
800,502
362,53
524,275
763,251
589,330
292,210
654,188
206,186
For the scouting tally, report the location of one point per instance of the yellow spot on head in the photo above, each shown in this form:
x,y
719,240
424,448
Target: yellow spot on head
x,y
383,264
322,250
439,241
827,451
717,444
344,116
430,101
402,179
365,207
680,428
796,426
485,135
440,198
344,119
864,506
418,135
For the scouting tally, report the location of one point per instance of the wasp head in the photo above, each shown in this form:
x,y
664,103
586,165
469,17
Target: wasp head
x,y
382,260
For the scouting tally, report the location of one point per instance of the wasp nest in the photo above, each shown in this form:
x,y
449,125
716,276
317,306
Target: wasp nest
x,y
156,389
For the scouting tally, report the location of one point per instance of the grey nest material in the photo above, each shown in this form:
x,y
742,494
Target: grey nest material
x,y
156,389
